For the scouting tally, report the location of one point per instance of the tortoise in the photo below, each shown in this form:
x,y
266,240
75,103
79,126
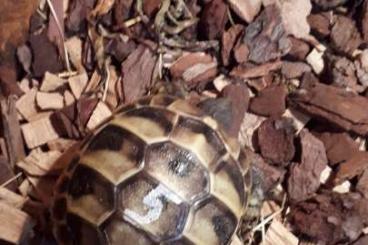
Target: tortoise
x,y
158,171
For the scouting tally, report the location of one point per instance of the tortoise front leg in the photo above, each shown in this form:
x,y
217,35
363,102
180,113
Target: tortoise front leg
x,y
254,187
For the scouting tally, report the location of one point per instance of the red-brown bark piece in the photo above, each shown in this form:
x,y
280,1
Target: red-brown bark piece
x,y
276,141
345,36
229,38
299,49
304,178
213,19
320,23
342,108
364,21
266,37
339,146
241,52
361,66
362,185
294,69
353,167
344,73
269,176
362,241
331,218
137,72
194,68
239,97
251,71
270,101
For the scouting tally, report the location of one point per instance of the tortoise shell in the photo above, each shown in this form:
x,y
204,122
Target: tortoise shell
x,y
159,171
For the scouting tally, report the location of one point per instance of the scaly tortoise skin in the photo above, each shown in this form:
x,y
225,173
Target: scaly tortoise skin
x,y
159,171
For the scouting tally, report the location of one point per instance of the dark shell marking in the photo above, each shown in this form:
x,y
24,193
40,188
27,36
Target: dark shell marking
x,y
160,171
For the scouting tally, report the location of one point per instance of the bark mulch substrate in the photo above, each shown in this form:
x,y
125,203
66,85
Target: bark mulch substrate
x,y
294,73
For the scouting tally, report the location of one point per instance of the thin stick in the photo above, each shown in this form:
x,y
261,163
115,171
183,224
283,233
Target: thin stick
x,y
53,12
133,21
67,74
11,180
232,22
271,217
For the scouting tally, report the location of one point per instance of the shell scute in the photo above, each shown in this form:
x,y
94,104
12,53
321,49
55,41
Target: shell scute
x,y
90,195
179,169
150,205
159,172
